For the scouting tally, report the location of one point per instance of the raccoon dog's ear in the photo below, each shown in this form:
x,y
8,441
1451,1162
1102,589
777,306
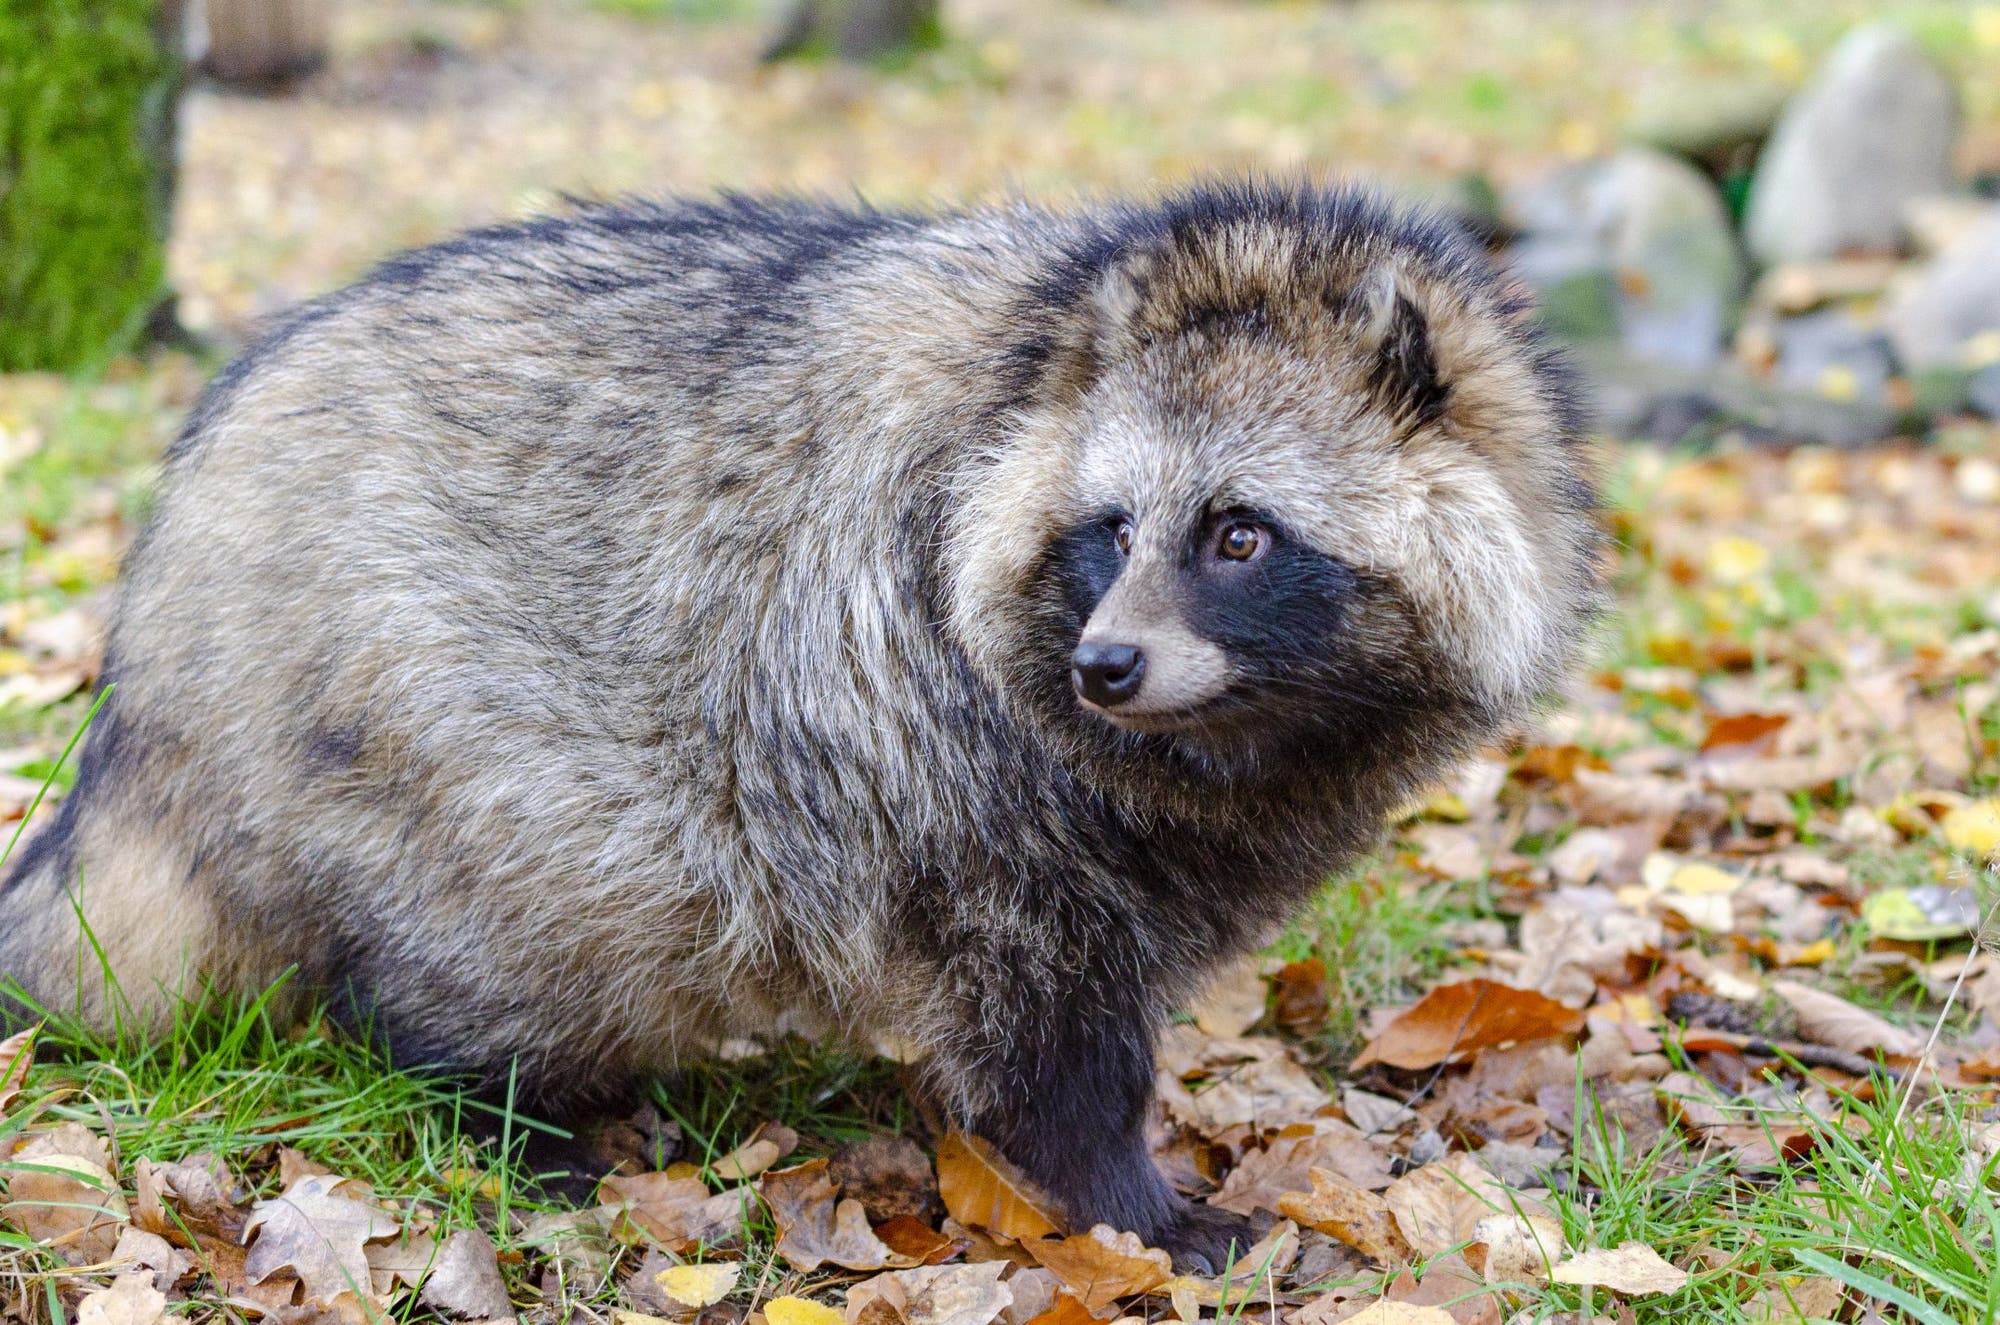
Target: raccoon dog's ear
x,y
1390,325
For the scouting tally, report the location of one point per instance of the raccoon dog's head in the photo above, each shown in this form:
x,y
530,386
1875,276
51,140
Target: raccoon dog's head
x,y
1296,475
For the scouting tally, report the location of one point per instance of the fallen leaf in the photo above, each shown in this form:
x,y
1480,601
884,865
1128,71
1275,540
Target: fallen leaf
x,y
918,1240
1066,1311
1300,1001
61,1193
890,1175
196,1196
800,1311
747,1160
152,1253
1103,1265
1447,1284
676,1213
1973,827
1831,1020
932,1295
983,1191
814,1227
1633,1268
1400,1313
699,1285
1466,1016
1743,734
1233,1001
131,1300
319,1233
1516,1249
1735,560
1921,915
465,1281
1265,1176
1350,1214
406,1261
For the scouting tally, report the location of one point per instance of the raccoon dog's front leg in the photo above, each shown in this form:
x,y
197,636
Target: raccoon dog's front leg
x,y
1068,1076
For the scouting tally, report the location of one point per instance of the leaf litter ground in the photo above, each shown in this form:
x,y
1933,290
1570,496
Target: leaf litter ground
x,y
1686,1002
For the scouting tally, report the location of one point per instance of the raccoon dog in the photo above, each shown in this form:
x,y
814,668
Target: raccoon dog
x,y
589,637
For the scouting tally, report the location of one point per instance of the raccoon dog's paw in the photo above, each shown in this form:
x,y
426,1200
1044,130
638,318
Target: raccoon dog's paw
x,y
1200,1237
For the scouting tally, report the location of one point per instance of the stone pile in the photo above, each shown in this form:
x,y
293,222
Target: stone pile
x,y
1859,298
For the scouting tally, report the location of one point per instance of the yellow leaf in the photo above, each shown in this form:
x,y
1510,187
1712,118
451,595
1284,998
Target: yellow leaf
x,y
1974,827
1895,913
1816,953
799,1311
1634,1268
1703,881
699,1285
1733,560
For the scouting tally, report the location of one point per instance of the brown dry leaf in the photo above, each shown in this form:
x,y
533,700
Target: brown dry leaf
x,y
152,1253
1516,1249
61,1193
17,1055
932,1295
1103,1265
1266,1176
1743,734
770,1143
131,1300
1233,1001
982,1190
1437,1206
294,1165
1795,1302
1350,1214
406,1260
225,1265
890,1175
1386,1312
1066,1311
1831,1020
181,1201
676,1213
319,1233
1300,997
814,1227
1448,1284
465,1282
1466,1016
918,1240
1633,1268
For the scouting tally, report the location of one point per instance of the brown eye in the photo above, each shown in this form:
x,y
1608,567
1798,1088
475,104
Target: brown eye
x,y
1124,536
1242,542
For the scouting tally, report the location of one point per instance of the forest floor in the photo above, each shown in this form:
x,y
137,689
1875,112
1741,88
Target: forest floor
x,y
1684,1004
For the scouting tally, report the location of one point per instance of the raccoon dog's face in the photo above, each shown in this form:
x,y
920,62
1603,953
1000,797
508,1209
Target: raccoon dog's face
x,y
1302,486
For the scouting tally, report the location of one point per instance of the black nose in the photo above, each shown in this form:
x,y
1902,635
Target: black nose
x,y
1106,674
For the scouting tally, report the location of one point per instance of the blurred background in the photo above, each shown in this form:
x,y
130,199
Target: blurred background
x,y
1764,213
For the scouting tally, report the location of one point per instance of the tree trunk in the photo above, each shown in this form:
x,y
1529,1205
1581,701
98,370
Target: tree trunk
x,y
857,29
258,43
89,91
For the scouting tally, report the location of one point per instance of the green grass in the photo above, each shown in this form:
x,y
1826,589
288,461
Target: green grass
x,y
83,218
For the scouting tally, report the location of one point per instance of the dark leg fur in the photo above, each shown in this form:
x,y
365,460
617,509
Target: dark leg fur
x,y
1075,1081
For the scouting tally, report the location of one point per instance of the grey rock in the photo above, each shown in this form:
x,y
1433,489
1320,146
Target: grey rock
x,y
1630,397
1717,122
1872,131
1955,297
1983,391
1635,248
1835,353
